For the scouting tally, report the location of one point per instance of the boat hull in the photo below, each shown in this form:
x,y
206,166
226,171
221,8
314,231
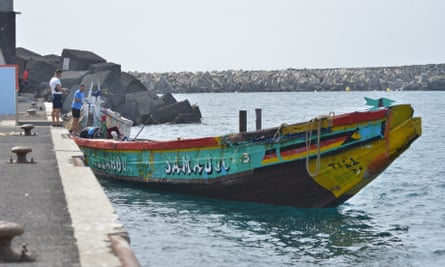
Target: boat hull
x,y
270,185
320,163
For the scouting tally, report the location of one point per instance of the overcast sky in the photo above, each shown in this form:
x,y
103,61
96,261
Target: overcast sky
x,y
206,35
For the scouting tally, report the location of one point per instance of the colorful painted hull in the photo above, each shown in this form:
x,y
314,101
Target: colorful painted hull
x,y
319,163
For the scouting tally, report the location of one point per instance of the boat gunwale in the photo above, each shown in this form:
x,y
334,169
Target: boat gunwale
x,y
202,142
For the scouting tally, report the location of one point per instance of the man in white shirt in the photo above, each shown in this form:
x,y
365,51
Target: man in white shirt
x,y
56,89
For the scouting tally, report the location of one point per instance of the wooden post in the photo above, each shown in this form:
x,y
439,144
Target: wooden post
x,y
242,121
258,118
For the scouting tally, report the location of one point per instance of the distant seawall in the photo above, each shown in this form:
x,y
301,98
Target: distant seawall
x,y
415,77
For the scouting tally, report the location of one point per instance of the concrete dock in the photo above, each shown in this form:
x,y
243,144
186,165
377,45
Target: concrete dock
x,y
66,217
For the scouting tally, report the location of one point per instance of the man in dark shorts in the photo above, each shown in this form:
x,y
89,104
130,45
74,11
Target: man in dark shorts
x,y
76,107
56,89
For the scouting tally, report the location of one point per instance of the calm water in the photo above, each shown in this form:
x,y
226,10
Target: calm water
x,y
397,220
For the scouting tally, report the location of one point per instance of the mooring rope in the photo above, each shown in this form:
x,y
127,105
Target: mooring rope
x,y
308,145
277,136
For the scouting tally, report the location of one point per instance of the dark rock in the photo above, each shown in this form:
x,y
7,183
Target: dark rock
x,y
188,118
122,92
163,85
196,110
54,59
132,84
168,99
25,53
170,112
144,103
73,78
115,100
129,111
78,59
437,82
41,69
67,100
22,56
108,81
100,67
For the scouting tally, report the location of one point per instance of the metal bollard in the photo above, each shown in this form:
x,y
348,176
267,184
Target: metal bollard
x,y
27,128
21,152
8,231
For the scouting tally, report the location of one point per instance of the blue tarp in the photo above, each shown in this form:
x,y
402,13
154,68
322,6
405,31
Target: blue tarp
x,y
8,84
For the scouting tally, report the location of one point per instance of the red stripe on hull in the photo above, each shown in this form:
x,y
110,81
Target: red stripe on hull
x,y
357,117
146,145
302,149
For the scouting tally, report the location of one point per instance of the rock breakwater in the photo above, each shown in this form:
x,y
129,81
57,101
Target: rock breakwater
x,y
415,77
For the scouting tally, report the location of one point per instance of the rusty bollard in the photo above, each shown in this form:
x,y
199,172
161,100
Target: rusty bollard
x,y
21,152
8,231
27,128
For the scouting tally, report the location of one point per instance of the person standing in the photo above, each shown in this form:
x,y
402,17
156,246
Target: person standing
x,y
76,107
57,91
25,77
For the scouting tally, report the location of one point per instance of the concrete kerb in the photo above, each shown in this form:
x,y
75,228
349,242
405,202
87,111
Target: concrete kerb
x,y
93,217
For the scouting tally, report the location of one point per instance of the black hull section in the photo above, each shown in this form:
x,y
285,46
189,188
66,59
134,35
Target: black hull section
x,y
285,184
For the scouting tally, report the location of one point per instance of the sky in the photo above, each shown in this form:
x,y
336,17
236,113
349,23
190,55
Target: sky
x,y
218,35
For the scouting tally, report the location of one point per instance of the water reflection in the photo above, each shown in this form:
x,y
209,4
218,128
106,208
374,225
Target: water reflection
x,y
201,231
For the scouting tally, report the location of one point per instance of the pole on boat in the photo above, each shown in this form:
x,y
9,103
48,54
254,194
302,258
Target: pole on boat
x,y
258,118
140,130
242,121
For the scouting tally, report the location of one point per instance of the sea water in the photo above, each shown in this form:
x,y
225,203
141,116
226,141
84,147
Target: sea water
x,y
397,220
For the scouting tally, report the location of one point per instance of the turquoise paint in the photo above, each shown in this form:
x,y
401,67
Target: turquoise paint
x,y
190,164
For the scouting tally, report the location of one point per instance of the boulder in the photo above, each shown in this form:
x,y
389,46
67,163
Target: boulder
x,y
144,103
107,66
54,59
22,56
168,99
129,111
437,82
78,59
188,118
41,69
115,100
25,53
121,92
71,79
170,112
132,84
163,85
68,99
106,80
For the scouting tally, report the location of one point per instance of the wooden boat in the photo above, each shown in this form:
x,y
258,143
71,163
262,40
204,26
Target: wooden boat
x,y
318,163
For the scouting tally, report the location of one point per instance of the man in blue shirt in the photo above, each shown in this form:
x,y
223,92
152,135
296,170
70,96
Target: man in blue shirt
x,y
75,108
